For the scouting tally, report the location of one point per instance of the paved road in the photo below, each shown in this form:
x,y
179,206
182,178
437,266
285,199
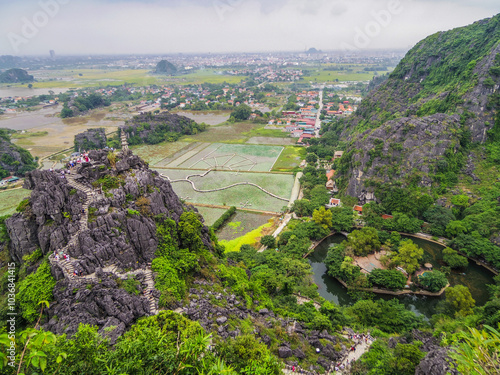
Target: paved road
x,y
318,121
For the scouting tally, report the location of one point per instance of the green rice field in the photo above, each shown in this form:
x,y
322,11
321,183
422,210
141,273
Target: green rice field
x,y
240,196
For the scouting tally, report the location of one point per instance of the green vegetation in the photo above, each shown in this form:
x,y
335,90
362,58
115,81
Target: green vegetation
x,y
166,343
36,287
453,260
251,238
390,279
241,113
268,240
433,281
477,351
107,182
224,218
84,103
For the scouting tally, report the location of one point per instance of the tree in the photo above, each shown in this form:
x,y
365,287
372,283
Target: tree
x,y
319,196
408,256
406,359
455,227
402,223
302,207
268,240
323,217
311,158
433,281
390,279
242,112
459,301
438,217
364,241
66,111
342,218
453,259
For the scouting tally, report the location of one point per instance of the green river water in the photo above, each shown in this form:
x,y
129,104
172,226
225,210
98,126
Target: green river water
x,y
474,277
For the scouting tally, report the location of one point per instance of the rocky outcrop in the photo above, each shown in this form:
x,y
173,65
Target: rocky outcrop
x,y
441,96
214,317
165,67
102,215
400,148
149,128
436,363
14,160
436,360
90,140
103,304
16,76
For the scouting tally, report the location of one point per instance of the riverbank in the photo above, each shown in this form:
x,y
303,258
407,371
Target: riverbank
x,y
397,292
442,241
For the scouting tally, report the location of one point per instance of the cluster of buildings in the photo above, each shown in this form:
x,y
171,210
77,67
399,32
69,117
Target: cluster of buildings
x,y
269,74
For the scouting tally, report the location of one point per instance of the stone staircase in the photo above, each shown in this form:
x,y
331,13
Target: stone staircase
x,y
67,264
150,285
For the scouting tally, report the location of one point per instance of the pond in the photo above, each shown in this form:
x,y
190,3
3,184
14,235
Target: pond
x,y
474,277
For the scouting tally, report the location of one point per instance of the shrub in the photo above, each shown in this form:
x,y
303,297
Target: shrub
x,y
36,287
224,218
390,279
144,205
453,259
23,205
433,281
268,240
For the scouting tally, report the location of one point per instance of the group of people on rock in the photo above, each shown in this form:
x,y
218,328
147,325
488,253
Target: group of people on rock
x,y
83,158
60,255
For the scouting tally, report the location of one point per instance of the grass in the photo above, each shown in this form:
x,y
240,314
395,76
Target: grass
x,y
225,132
262,132
10,199
29,134
290,158
251,238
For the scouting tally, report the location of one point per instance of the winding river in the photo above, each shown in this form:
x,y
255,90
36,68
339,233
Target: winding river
x,y
474,277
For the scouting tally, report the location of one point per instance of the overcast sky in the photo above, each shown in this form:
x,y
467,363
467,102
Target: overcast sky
x,y
30,27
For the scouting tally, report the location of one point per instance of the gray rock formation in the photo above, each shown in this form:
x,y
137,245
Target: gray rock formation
x,y
400,147
214,318
435,363
113,229
91,139
101,304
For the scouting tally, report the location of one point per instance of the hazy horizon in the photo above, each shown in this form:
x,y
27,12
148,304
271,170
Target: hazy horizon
x,y
128,27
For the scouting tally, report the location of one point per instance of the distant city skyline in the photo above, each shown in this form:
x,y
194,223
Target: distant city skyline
x,y
34,27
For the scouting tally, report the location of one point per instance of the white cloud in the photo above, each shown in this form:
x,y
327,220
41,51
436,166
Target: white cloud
x,y
118,26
